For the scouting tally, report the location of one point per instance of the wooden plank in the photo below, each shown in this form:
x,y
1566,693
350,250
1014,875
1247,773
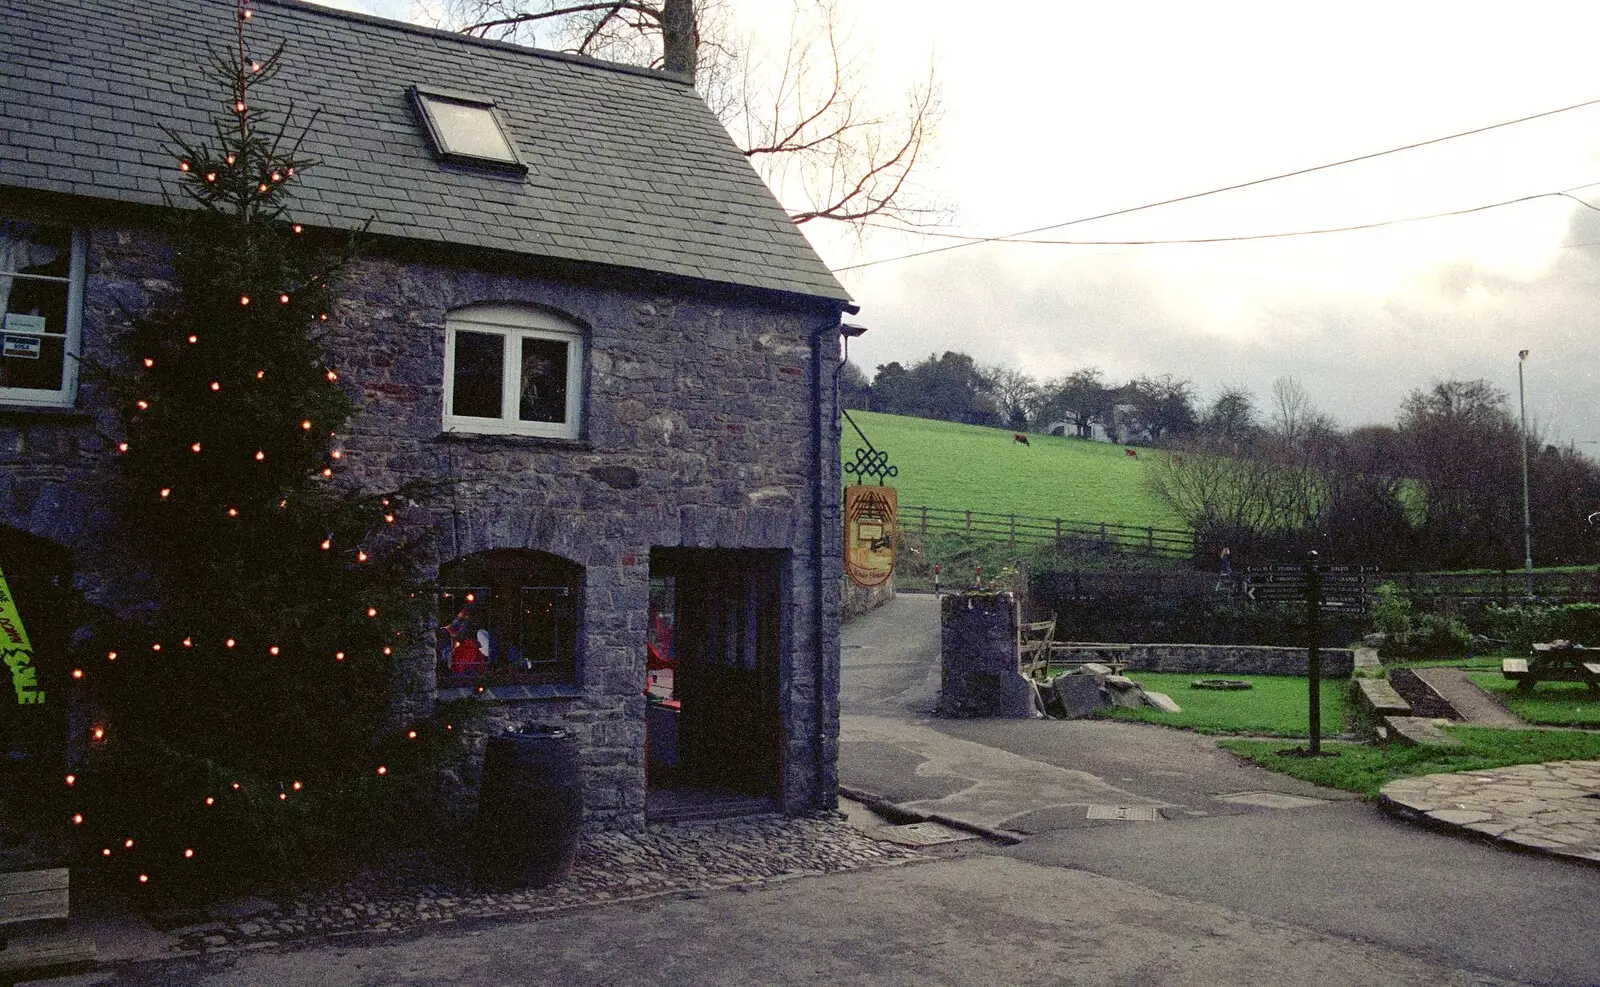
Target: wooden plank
x,y
1514,668
27,896
1593,669
36,951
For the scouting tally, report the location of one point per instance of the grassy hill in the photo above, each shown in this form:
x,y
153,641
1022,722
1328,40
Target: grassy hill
x,y
943,464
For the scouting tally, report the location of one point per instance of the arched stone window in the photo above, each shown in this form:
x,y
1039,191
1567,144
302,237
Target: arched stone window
x,y
513,370
509,617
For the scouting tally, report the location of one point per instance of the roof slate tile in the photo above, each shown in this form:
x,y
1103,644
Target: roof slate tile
x,y
627,167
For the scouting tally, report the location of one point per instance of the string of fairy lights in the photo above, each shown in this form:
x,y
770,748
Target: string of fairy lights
x,y
252,187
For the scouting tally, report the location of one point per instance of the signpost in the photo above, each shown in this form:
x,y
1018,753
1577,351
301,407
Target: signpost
x,y
1325,589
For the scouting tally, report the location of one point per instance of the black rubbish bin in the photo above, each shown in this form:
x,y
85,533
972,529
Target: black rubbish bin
x,y
530,808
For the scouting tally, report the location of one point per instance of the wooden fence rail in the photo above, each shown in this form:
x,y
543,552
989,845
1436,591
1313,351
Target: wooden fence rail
x,y
1025,529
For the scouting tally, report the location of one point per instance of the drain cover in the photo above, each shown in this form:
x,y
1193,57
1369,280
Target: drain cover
x,y
925,834
1132,813
1270,800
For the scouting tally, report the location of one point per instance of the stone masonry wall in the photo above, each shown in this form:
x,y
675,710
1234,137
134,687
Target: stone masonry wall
x,y
698,432
979,676
1219,659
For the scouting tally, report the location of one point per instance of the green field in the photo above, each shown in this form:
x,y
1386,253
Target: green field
x,y
943,464
1274,706
1555,703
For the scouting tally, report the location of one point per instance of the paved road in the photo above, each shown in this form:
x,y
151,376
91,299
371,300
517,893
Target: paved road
x,y
1224,833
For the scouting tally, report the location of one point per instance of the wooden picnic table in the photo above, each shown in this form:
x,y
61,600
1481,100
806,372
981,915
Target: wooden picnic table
x,y
1554,661
1038,652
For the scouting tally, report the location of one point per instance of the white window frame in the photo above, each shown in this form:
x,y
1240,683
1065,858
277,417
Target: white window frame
x,y
514,323
65,396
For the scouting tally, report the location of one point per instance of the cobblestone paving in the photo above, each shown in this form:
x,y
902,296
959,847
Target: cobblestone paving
x,y
1552,808
611,867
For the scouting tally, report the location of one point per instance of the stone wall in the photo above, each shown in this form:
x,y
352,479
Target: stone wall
x,y
700,430
1217,659
979,676
858,600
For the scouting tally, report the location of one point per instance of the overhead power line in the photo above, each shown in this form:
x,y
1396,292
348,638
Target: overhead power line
x,y
1218,191
1565,194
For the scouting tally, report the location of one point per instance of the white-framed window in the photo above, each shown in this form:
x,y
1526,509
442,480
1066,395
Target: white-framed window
x,y
512,370
41,296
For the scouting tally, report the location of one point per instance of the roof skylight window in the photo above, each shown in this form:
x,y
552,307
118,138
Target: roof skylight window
x,y
465,129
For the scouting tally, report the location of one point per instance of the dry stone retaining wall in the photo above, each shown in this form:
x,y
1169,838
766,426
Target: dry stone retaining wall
x,y
1220,659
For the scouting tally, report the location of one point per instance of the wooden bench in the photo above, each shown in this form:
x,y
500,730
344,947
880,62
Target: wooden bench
x,y
1103,655
35,896
1553,661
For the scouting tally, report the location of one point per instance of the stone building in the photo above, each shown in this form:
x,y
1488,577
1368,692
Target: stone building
x,y
576,298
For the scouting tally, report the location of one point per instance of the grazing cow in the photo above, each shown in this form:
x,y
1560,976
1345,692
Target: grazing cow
x,y
1019,437
1131,452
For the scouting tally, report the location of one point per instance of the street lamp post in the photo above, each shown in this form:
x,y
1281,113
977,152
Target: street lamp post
x,y
1527,523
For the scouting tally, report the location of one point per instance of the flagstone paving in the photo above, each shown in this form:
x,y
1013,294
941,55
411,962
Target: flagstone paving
x,y
1550,808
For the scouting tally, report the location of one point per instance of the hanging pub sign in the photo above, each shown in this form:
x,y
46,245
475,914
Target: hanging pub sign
x,y
869,534
17,652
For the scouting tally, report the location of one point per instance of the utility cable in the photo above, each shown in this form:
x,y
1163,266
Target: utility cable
x,y
1218,191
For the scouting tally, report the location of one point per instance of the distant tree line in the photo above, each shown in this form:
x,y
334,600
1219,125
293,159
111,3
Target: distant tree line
x,y
953,387
1441,487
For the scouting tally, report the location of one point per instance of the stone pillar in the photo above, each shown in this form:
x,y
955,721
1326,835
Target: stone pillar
x,y
978,649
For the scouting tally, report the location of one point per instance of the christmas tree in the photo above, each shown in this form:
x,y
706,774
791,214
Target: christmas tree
x,y
246,725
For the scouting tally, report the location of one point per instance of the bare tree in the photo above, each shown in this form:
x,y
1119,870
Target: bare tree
x,y
1016,392
805,119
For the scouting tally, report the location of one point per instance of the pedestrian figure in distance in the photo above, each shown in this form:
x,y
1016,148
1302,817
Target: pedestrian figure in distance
x,y
1224,569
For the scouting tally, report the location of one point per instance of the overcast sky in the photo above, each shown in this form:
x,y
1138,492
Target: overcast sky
x,y
1065,110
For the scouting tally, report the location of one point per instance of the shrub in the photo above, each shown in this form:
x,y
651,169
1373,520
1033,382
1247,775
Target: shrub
x,y
1444,636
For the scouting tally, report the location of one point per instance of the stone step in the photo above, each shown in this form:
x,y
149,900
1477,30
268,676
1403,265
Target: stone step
x,y
1380,697
1416,730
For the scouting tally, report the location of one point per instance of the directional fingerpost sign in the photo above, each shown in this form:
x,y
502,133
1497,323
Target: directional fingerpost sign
x,y
1323,588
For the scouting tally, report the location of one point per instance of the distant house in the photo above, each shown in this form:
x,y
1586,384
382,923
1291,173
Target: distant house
x,y
577,299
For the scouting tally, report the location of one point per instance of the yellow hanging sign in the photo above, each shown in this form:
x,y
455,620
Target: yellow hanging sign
x,y
16,651
870,534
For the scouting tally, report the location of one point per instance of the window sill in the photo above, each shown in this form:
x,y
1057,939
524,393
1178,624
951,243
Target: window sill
x,y
505,692
36,413
513,439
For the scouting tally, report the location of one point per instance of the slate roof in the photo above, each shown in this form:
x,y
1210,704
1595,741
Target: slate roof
x,y
627,167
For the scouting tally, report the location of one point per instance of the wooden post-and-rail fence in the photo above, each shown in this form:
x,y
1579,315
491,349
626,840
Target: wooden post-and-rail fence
x,y
1025,529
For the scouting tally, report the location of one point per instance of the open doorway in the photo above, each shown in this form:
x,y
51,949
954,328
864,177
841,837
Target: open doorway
x,y
715,643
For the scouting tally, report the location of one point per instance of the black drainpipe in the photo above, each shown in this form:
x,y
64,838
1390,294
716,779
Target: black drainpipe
x,y
819,698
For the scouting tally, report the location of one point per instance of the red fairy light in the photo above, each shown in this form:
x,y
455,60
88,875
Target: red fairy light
x,y
244,299
297,786
388,650
283,299
230,642
332,375
411,735
383,769
273,651
99,733
216,385
229,159
111,656
361,556
211,176
233,512
77,819
195,447
77,673
283,796
122,447
338,656
326,544
306,424
188,642
236,786
144,878
183,166
194,339
211,800
105,852
149,363
372,611
142,405
260,455
262,187
298,228
156,646
72,780
238,107
188,854
127,844
276,176
166,492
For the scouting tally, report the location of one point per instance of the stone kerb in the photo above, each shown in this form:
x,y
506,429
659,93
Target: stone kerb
x,y
1218,659
979,676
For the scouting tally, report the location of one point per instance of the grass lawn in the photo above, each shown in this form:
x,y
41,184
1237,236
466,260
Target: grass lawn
x,y
943,464
1365,769
1470,661
1275,706
1564,704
